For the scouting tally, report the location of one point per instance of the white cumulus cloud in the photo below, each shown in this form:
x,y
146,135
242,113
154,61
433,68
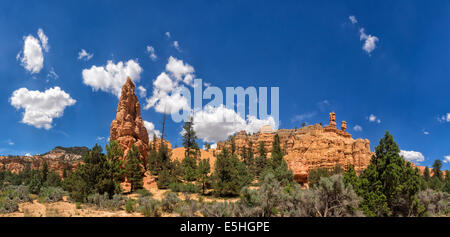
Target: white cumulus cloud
x,y
151,130
41,107
369,41
31,57
167,87
215,124
85,55
180,70
413,156
111,77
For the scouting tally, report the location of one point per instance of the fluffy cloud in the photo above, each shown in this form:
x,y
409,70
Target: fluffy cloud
x,y
180,70
225,122
353,19
31,57
372,118
357,128
151,52
84,55
110,78
413,156
151,130
167,96
168,103
446,159
168,35
41,107
369,41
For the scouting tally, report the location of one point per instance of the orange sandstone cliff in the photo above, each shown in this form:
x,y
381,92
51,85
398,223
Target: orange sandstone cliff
x,y
310,147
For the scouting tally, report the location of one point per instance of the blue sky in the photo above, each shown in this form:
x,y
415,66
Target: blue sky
x,y
309,49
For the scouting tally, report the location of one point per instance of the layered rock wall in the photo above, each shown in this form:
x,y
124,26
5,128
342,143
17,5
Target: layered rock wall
x,y
310,147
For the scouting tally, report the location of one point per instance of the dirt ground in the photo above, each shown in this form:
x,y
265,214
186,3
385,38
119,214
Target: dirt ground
x,y
66,208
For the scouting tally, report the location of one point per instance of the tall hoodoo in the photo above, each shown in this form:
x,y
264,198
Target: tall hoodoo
x,y
128,127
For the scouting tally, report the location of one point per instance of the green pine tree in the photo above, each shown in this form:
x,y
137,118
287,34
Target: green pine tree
x,y
203,173
226,175
389,184
350,177
260,161
133,170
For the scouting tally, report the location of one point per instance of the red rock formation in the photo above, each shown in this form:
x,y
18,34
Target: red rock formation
x,y
157,143
57,159
310,147
128,127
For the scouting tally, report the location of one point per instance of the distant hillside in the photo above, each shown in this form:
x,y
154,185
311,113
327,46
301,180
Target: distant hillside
x,y
76,150
57,159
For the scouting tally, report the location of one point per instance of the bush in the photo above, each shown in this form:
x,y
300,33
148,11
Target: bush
x,y
188,208
185,188
143,193
263,202
218,209
129,206
18,193
103,201
8,205
330,198
170,202
51,194
436,203
149,207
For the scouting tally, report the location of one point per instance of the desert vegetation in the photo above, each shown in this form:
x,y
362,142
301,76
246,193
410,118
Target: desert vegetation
x,y
241,184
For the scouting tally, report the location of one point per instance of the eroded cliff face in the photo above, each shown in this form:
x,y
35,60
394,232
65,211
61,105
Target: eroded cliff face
x,y
156,144
57,159
128,128
310,147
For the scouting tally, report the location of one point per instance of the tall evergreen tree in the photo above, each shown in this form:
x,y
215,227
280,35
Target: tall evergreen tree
x,y
45,171
192,151
389,183
229,176
350,177
437,173
277,165
203,173
113,172
190,139
133,170
261,160
426,178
